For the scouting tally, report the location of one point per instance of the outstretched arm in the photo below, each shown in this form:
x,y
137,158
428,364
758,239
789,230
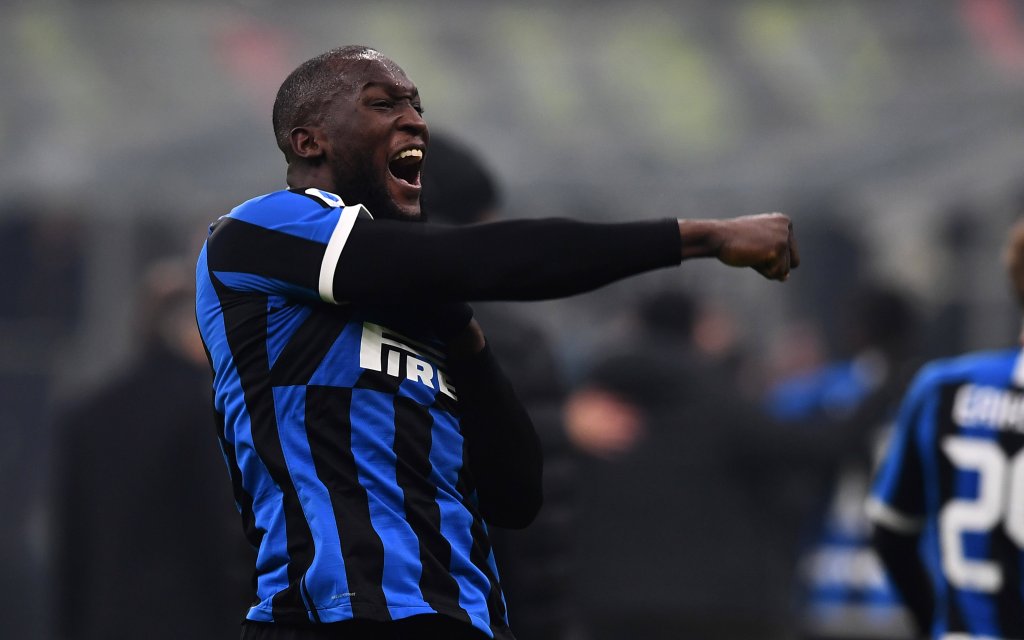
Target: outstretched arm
x,y
349,257
541,259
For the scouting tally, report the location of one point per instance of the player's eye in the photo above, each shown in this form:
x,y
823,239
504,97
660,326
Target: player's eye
x,y
381,104
418,107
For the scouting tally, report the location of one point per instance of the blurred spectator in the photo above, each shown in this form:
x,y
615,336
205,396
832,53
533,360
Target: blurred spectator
x,y
844,592
145,539
533,563
682,532
41,256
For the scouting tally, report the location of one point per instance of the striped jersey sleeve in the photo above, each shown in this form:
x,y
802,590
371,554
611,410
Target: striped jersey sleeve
x,y
285,243
897,499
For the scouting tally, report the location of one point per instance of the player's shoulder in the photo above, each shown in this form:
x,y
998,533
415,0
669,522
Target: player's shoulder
x,y
995,367
309,214
286,205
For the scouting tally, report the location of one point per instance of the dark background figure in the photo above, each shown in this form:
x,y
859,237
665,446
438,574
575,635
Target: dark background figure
x,y
42,275
142,549
458,188
843,590
679,536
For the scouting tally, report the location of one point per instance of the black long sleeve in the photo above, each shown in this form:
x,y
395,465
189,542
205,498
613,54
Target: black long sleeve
x,y
899,555
505,457
385,260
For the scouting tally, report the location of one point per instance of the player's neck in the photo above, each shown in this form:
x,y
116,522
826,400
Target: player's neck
x,y
304,176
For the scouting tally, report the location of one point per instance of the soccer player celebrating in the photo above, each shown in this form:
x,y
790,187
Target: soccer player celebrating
x,y
369,433
948,498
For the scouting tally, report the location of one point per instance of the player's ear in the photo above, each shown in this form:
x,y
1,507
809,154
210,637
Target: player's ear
x,y
307,142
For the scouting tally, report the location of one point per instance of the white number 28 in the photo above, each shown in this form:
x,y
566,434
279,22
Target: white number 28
x,y
1000,497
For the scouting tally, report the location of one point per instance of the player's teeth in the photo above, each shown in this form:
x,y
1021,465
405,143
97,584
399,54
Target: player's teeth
x,y
410,153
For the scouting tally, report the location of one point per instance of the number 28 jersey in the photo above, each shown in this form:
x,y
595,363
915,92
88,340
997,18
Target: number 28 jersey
x,y
954,476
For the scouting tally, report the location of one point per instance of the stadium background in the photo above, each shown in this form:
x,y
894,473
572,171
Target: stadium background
x,y
892,132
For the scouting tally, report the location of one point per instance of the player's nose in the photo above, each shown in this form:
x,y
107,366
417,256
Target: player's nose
x,y
412,120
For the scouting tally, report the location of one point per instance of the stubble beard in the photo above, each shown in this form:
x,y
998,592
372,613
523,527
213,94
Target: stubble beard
x,y
373,194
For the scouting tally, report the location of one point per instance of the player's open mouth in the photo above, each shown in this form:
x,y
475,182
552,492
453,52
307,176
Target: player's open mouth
x,y
405,166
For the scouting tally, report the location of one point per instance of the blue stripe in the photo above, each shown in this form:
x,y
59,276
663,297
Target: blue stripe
x,y
328,575
268,500
875,598
340,367
456,521
290,213
890,474
373,440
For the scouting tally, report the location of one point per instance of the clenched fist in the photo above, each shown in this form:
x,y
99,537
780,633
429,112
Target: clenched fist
x,y
763,242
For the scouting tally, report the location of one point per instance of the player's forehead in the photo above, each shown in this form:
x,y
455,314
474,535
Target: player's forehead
x,y
374,71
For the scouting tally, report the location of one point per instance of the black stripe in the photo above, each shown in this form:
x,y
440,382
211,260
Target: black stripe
x,y
309,601
245,321
444,403
481,549
329,430
413,424
478,555
253,533
1007,554
380,380
309,345
239,246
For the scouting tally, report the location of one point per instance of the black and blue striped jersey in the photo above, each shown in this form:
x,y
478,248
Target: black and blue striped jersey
x,y
340,427
953,477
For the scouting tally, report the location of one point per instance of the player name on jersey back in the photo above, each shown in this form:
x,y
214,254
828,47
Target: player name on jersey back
x,y
985,407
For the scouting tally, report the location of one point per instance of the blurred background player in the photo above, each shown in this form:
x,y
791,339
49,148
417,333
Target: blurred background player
x,y
138,543
459,189
843,591
948,499
684,531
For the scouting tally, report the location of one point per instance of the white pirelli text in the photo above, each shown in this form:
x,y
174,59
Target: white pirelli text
x,y
390,353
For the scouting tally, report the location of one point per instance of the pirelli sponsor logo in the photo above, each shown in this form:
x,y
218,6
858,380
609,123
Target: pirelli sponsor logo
x,y
397,356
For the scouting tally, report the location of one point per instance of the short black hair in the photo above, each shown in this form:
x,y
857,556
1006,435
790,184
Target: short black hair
x,y
311,86
457,187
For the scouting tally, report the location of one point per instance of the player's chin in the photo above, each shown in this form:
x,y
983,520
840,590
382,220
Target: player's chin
x,y
404,200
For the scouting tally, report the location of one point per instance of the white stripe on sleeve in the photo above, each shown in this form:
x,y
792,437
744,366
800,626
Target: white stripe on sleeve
x,y
334,246
882,514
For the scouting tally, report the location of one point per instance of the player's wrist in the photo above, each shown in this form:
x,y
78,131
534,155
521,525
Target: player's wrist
x,y
700,238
